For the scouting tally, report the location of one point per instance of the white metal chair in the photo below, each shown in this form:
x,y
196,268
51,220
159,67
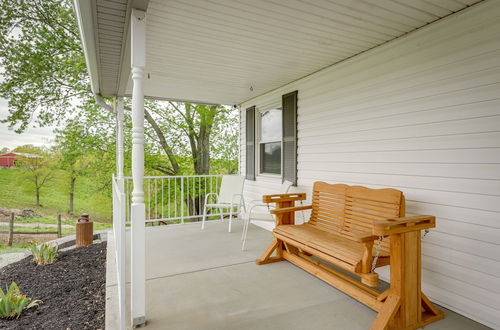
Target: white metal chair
x,y
229,197
261,217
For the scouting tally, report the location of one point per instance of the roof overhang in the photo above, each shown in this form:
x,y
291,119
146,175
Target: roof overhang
x,y
226,51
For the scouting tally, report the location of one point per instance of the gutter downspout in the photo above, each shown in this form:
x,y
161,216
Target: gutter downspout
x,y
102,103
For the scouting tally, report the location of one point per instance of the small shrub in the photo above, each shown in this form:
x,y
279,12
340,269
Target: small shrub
x,y
13,302
44,254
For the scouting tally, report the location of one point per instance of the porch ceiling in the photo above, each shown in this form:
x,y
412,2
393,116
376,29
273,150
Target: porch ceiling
x,y
228,51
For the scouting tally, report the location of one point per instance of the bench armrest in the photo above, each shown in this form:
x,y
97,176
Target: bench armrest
x,y
291,209
403,225
283,198
363,237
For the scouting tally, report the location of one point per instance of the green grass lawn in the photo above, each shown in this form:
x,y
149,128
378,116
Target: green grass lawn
x,y
15,248
16,193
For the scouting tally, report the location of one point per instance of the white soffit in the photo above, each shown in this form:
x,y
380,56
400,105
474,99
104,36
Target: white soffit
x,y
228,51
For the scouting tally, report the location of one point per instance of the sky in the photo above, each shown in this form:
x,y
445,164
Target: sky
x,y
35,136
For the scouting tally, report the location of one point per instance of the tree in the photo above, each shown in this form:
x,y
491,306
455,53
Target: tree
x,y
85,145
4,150
72,144
30,149
38,171
190,129
44,72
224,148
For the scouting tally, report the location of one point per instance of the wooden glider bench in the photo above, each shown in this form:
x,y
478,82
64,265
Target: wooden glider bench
x,y
358,229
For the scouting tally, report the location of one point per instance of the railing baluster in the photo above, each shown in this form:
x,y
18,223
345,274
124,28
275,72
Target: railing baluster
x,y
199,194
168,205
186,194
182,199
156,200
147,200
162,204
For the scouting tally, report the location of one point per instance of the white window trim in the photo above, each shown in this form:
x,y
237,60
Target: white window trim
x,y
258,127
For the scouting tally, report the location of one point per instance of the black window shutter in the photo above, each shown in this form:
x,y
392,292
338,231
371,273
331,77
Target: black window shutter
x,y
289,105
250,143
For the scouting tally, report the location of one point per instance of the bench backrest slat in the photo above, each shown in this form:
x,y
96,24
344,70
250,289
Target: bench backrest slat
x,y
328,204
345,210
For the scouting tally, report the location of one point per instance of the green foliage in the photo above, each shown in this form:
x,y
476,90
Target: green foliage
x,y
41,56
83,148
31,149
37,174
44,254
13,302
193,132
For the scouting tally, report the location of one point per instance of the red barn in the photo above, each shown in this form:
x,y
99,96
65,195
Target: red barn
x,y
9,159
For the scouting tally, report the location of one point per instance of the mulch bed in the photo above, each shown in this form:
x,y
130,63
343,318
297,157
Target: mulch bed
x,y
73,290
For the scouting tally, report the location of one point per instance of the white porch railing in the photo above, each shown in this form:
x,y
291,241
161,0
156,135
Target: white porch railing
x,y
119,238
168,200
175,199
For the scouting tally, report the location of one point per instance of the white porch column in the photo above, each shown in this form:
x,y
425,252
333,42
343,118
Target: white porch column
x,y
119,214
119,137
138,210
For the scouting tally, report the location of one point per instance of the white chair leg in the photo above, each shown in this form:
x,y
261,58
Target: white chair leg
x,y
204,217
245,231
230,218
221,216
244,226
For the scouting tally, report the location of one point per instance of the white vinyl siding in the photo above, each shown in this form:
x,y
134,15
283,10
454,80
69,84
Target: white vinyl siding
x,y
420,114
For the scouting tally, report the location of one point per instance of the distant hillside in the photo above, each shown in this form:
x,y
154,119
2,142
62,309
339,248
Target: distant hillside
x,y
15,193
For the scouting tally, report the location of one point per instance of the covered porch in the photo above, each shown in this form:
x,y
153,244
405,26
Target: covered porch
x,y
390,94
202,280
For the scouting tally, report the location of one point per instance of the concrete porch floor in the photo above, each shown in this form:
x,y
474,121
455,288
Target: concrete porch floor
x,y
202,280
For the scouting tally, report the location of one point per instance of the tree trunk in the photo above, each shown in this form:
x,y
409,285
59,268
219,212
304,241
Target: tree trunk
x,y
37,196
72,195
202,160
163,143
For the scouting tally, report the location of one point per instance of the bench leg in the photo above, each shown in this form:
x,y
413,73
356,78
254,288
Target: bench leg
x,y
267,258
392,306
406,307
386,314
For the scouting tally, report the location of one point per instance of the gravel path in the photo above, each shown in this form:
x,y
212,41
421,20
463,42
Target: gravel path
x,y
8,258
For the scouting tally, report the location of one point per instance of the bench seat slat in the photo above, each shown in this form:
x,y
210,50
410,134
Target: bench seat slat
x,y
322,240
335,245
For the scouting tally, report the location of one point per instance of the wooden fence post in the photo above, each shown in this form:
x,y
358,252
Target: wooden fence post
x,y
11,229
59,226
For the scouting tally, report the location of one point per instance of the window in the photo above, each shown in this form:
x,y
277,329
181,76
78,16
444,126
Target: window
x,y
270,141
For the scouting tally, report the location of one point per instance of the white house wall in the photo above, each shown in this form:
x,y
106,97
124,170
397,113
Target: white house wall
x,y
420,114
